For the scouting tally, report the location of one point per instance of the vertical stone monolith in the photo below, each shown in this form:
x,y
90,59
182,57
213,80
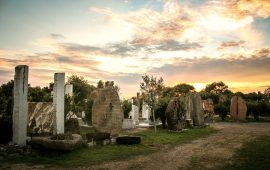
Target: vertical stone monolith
x,y
20,107
59,102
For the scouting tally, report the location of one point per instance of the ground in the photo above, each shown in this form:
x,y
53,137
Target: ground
x,y
211,152
208,153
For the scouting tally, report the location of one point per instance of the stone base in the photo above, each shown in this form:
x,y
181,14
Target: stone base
x,y
65,145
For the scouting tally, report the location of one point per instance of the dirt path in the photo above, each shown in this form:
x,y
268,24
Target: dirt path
x,y
209,153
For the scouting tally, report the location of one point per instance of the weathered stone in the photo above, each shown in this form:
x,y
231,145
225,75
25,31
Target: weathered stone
x,y
128,124
65,144
72,126
43,115
195,109
208,107
134,114
107,114
20,107
238,108
176,114
69,89
146,112
59,102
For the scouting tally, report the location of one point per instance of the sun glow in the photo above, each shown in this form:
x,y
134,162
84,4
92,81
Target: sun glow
x,y
199,86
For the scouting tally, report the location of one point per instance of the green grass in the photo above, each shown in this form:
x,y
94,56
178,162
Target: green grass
x,y
151,142
253,155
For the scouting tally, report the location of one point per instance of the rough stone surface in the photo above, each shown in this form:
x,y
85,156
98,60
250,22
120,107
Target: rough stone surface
x,y
66,144
176,114
238,108
59,102
20,107
195,109
208,107
107,114
40,117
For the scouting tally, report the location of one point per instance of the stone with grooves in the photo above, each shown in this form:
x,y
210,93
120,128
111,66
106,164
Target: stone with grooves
x,y
238,108
195,109
20,107
175,113
59,102
107,114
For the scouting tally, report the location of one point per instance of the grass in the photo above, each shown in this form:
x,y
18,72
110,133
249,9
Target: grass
x,y
253,155
151,142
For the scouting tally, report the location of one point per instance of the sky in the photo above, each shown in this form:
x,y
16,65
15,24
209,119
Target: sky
x,y
184,41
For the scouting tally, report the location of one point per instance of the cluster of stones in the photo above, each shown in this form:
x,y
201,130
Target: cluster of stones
x,y
20,107
185,111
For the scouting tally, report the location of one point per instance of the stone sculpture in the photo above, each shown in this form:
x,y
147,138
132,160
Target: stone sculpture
x,y
238,108
107,114
176,114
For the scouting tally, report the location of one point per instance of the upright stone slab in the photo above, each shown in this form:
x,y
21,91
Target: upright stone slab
x,y
208,107
69,89
176,114
146,111
59,102
134,114
238,108
107,114
197,110
20,107
188,108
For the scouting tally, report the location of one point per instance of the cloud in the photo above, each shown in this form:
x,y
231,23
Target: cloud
x,y
56,36
256,8
152,26
252,68
229,44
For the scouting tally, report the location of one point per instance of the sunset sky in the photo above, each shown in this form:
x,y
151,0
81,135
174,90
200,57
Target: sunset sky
x,y
183,41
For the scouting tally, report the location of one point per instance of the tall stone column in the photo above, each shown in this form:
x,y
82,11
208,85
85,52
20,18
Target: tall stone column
x,y
20,107
59,102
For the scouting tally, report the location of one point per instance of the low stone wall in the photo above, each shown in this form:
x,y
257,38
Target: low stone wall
x,y
128,124
40,117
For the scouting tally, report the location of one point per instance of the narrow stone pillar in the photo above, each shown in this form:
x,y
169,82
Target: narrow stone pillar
x,y
59,102
69,90
20,107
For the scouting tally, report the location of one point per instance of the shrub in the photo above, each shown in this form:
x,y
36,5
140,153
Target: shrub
x,y
222,110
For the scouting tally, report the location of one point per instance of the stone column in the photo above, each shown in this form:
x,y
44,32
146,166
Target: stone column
x,y
69,90
20,107
59,102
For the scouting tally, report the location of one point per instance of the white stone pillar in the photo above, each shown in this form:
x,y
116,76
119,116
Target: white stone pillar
x,y
59,102
20,107
69,89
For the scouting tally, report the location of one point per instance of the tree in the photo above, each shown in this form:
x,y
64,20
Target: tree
x,y
81,94
151,87
100,84
161,109
38,94
183,88
126,106
267,93
217,88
